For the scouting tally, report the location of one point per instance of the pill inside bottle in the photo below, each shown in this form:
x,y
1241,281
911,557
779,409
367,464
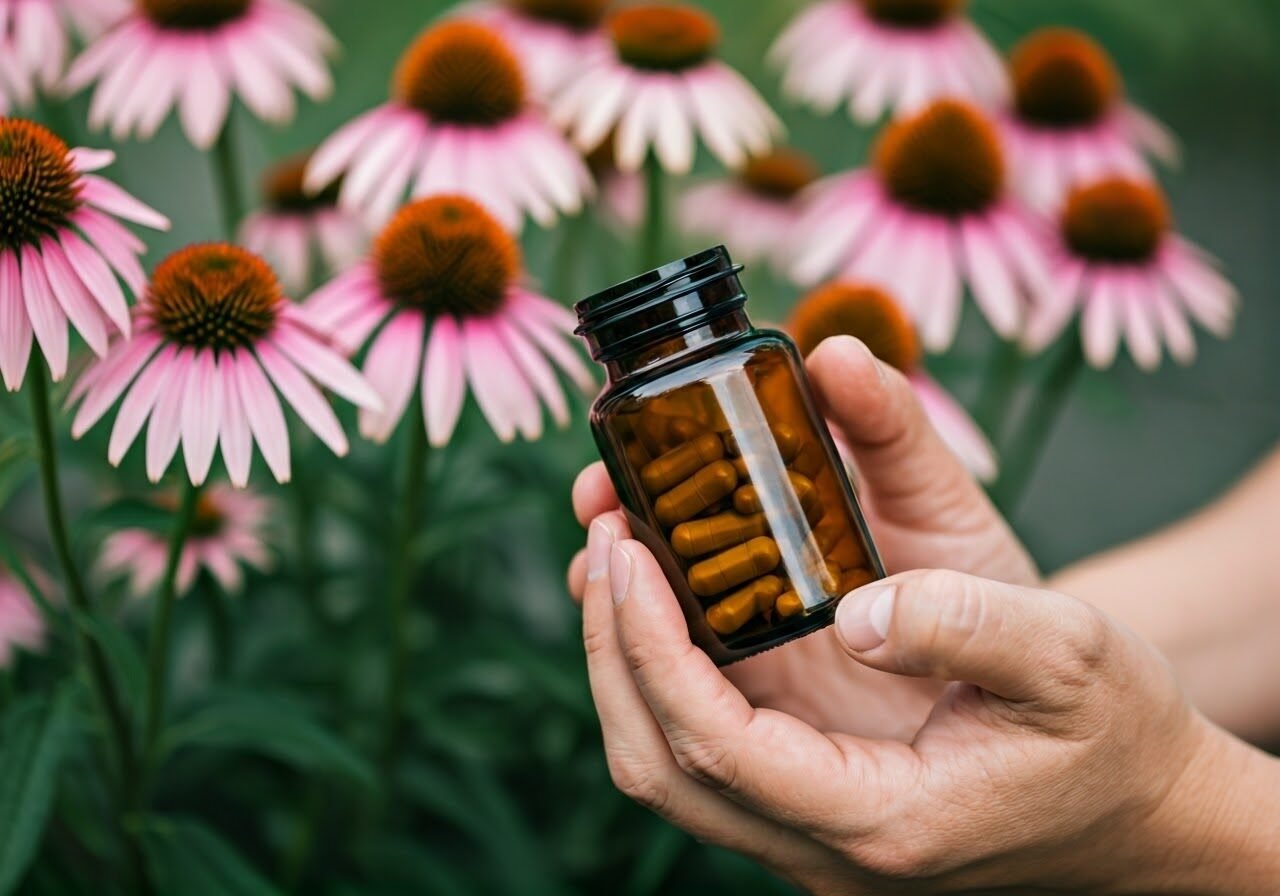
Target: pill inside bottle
x,y
725,468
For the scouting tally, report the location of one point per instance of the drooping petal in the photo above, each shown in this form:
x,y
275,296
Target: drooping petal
x,y
325,366
536,369
139,403
77,304
1100,322
15,327
235,437
164,432
263,413
303,397
97,277
201,415
956,428
103,194
444,382
48,321
994,287
393,368
111,377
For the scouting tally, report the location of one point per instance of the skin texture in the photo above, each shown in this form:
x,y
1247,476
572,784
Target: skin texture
x,y
849,762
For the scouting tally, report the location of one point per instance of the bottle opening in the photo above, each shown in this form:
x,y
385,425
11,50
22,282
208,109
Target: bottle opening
x,y
659,304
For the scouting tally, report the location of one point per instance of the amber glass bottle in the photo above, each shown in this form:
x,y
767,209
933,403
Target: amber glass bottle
x,y
725,468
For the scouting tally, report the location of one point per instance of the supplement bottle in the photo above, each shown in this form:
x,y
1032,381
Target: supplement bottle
x,y
723,465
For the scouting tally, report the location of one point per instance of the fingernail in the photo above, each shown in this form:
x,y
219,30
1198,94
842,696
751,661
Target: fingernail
x,y
599,541
863,617
619,573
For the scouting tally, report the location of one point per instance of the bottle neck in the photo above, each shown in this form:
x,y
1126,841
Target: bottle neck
x,y
670,349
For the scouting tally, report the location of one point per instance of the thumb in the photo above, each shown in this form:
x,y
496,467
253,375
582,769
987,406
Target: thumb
x,y
1022,644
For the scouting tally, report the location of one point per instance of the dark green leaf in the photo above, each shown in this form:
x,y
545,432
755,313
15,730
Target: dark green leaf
x,y
120,649
186,858
33,740
16,454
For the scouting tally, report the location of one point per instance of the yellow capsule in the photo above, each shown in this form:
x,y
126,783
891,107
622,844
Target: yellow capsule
x,y
785,438
855,578
740,466
698,537
789,604
811,459
679,464
696,494
747,498
847,553
828,534
637,456
739,608
735,566
686,429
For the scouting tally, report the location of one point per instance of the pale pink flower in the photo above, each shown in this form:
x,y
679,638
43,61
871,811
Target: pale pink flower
x,y
459,121
216,338
61,249
301,233
846,308
1069,122
443,286
21,625
197,55
228,532
886,56
756,210
1118,263
35,41
659,85
929,216
550,37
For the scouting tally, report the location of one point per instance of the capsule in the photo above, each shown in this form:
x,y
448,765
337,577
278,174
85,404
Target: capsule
x,y
686,429
743,605
637,456
747,498
740,467
789,604
697,493
855,578
679,464
734,566
847,553
811,460
698,537
828,534
785,438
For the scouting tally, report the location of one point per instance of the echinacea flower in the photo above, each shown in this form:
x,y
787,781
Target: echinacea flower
x,y
658,83
197,55
460,120
61,248
930,215
443,283
847,308
756,210
227,534
215,339
21,625
1070,123
35,42
887,56
550,37
1119,264
299,232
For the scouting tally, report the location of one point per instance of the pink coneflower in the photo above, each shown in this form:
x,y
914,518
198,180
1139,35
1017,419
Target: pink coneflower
x,y
34,41
198,54
658,83
1117,262
887,56
757,210
550,37
61,249
1069,122
443,285
459,121
227,533
21,625
299,232
845,308
930,215
215,339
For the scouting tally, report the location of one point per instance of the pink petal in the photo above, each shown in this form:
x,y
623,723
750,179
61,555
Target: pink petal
x,y
117,246
326,367
201,416
956,428
103,194
236,437
1139,323
165,429
99,280
526,313
1100,323
443,380
392,368
112,377
81,310
263,414
990,278
84,159
206,97
15,327
337,153
47,320
305,398
138,404
535,368
500,388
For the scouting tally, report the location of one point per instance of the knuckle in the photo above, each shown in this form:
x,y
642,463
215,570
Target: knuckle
x,y
642,782
597,641
707,761
1087,647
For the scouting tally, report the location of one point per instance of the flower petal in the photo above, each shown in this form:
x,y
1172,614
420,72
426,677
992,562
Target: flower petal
x,y
304,397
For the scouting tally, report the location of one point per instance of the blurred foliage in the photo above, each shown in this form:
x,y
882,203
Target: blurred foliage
x,y
267,785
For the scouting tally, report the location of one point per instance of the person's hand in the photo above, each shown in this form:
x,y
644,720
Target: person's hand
x,y
924,510
1071,763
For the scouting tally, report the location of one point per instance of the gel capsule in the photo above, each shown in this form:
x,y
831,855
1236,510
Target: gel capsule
x,y
698,537
784,437
679,464
735,566
747,498
704,488
739,608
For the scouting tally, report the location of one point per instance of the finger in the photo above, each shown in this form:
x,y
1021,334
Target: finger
x,y
577,576
641,761
768,761
593,494
1021,644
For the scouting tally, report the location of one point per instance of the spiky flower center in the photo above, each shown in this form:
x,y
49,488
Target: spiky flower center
x,y
945,160
214,295
461,73
1062,79
446,255
193,14
781,174
666,37
38,188
577,14
282,187
1115,220
855,309
911,13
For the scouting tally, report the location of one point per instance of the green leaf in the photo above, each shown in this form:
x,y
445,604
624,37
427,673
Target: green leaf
x,y
122,653
186,858
33,740
272,727
16,454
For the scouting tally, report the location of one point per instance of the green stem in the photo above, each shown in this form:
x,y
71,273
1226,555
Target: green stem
x,y
565,265
1026,447
227,177
655,223
162,625
401,580
999,386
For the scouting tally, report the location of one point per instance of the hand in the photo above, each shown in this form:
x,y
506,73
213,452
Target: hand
x,y
924,510
1072,763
